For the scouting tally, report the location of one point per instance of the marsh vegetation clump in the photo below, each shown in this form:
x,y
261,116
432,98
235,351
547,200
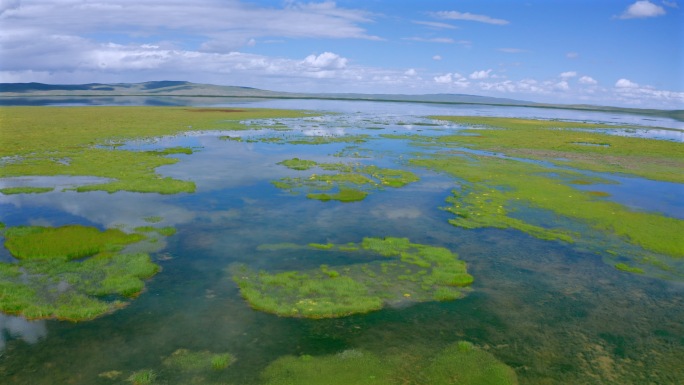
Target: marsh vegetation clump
x,y
71,272
184,360
397,271
349,183
460,363
25,190
493,188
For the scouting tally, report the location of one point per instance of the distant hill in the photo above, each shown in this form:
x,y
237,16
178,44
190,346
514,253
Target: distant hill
x,y
188,89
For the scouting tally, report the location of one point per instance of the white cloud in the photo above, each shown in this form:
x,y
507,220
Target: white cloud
x,y
562,85
6,5
455,15
587,80
436,24
572,55
326,60
642,9
568,74
671,4
437,57
411,72
443,79
477,75
625,83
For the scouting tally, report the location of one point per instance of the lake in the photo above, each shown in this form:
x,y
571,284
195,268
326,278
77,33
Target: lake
x,y
555,312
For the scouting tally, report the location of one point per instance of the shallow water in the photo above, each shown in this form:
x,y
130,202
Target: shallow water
x,y
554,312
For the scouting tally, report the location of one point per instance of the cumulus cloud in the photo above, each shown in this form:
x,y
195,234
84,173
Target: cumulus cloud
x,y
411,72
477,75
437,57
455,15
642,9
562,85
568,74
625,83
326,60
443,79
587,80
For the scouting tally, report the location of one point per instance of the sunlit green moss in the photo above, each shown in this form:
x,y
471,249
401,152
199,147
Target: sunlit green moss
x,y
298,164
414,273
25,190
461,363
46,283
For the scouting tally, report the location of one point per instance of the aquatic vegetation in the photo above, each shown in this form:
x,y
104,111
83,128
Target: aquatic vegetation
x,y
165,231
460,363
628,268
143,377
184,360
69,242
25,190
406,272
68,141
47,282
497,184
564,143
298,164
352,182
153,219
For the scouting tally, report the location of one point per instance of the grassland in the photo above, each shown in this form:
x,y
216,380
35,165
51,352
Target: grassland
x,y
397,271
580,145
83,141
349,182
71,273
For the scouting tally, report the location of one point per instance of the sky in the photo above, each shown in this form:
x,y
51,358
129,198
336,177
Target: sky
x,y
605,52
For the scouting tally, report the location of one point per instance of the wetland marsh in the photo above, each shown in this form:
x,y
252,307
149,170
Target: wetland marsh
x,y
358,242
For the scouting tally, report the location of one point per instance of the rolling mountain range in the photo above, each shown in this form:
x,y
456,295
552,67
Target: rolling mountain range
x,y
187,89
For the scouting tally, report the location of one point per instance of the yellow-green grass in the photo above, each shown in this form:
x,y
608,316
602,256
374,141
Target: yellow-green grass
x,y
25,190
36,141
66,242
496,184
46,282
351,182
460,363
408,273
571,144
143,377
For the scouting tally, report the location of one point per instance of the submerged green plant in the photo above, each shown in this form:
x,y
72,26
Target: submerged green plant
x,y
46,282
404,272
143,377
460,363
184,360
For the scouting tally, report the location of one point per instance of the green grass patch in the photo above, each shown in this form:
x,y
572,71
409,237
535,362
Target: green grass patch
x,y
45,141
496,184
143,377
68,242
397,271
46,282
565,143
25,190
349,183
628,268
461,363
185,361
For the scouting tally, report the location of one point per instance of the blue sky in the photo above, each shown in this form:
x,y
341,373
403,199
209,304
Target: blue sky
x,y
609,52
